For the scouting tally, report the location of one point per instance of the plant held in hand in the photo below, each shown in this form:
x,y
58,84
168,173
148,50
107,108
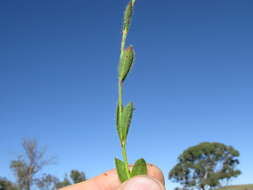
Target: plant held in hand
x,y
124,113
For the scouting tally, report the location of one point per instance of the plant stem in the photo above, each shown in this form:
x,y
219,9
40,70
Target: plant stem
x,y
120,86
133,1
120,97
123,41
123,141
125,159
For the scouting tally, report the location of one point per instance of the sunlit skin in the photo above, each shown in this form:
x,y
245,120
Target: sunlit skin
x,y
109,180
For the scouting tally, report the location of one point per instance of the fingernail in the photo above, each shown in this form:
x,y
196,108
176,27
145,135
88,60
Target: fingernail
x,y
142,183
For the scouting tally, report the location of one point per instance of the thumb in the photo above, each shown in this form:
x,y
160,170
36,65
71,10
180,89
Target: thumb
x,y
142,183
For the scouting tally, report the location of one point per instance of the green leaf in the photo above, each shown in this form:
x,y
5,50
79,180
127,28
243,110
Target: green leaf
x,y
121,170
125,120
126,63
140,168
118,123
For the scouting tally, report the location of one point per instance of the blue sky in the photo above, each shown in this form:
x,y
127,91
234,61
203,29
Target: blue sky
x,y
192,80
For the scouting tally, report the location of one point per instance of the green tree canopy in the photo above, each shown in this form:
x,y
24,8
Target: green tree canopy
x,y
205,165
75,177
5,184
47,182
63,183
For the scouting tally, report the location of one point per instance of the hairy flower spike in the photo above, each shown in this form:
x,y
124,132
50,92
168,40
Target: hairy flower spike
x,y
128,16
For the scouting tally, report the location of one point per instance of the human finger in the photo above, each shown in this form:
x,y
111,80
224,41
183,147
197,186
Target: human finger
x,y
142,183
110,181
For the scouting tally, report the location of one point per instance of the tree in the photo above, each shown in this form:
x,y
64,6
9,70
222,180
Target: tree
x,y
28,165
76,177
63,183
206,166
47,182
6,184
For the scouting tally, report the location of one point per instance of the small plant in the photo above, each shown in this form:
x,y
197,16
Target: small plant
x,y
124,113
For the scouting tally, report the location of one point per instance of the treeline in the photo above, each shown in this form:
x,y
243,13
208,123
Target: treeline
x,y
28,170
208,165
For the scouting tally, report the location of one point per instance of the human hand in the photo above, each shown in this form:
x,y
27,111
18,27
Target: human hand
x,y
109,181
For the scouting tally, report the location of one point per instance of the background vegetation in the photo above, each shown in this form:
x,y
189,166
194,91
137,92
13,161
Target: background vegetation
x,y
208,165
